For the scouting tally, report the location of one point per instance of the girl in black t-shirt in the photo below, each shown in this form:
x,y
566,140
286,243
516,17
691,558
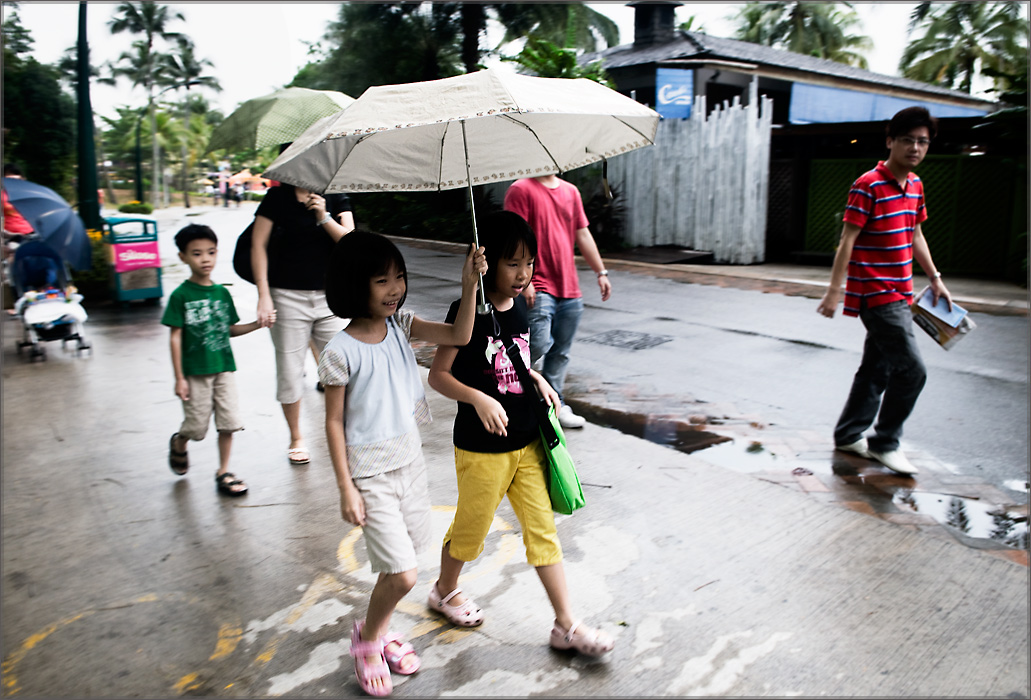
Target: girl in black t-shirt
x,y
497,446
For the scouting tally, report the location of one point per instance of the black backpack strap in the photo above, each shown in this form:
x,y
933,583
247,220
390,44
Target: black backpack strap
x,y
540,406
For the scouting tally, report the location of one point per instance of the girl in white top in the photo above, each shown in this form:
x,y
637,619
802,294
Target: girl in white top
x,y
374,405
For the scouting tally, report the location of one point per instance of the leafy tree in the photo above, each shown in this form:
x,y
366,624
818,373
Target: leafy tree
x,y
383,44
38,116
183,70
140,66
963,40
389,43
17,39
572,25
818,29
542,58
689,25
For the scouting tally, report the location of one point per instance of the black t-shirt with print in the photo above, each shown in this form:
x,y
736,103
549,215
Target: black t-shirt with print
x,y
483,364
298,250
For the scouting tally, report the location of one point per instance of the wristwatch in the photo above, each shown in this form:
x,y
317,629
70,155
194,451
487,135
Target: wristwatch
x,y
936,276
603,273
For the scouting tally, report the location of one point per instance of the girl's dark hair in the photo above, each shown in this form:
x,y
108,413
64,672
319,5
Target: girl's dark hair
x,y
357,258
194,232
910,118
501,235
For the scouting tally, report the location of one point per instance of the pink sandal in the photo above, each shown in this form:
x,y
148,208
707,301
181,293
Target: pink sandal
x,y
589,642
366,672
468,614
395,657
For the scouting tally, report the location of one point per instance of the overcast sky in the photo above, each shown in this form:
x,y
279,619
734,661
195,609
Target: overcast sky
x,y
257,47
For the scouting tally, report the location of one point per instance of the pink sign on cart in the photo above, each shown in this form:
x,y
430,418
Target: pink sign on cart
x,y
134,256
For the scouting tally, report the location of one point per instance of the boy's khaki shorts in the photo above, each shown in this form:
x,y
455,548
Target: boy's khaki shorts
x,y
483,480
210,393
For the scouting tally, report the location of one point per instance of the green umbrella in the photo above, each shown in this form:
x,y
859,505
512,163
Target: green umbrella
x,y
276,118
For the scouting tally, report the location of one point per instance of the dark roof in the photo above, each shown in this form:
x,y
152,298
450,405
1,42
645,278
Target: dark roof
x,y
696,45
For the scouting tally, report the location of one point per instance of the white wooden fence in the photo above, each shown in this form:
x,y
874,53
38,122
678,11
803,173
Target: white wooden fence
x,y
704,183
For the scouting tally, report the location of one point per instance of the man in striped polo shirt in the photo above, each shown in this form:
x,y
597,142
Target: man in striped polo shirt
x,y
880,239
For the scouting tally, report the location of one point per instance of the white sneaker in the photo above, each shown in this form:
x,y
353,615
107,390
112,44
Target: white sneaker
x,y
894,460
857,448
568,419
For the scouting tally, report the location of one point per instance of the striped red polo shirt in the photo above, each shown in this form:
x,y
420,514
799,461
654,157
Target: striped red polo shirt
x,y
880,270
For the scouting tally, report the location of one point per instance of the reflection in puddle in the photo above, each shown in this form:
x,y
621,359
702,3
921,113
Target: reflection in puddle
x,y
971,517
743,456
1016,485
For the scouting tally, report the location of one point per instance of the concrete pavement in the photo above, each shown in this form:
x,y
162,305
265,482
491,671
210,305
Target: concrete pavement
x,y
120,579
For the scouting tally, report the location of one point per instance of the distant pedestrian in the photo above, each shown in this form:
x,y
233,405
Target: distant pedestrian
x,y
498,450
555,212
203,318
374,405
880,238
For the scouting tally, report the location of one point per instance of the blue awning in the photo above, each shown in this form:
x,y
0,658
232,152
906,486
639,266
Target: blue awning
x,y
816,104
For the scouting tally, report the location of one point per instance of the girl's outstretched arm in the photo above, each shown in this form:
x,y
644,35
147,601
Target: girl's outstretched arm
x,y
490,411
458,333
352,506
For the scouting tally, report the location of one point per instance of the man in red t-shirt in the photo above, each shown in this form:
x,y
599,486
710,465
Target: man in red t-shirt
x,y
555,212
880,239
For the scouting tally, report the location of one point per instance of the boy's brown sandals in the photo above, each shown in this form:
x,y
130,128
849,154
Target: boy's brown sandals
x,y
229,485
178,461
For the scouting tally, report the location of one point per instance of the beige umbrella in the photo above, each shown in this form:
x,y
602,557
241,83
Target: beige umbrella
x,y
488,126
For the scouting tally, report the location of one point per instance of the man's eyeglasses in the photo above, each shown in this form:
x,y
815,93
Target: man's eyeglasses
x,y
910,141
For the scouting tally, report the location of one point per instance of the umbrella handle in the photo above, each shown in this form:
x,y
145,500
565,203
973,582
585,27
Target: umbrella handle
x,y
483,308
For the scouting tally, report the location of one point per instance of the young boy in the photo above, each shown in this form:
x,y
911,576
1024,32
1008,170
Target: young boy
x,y
203,318
879,241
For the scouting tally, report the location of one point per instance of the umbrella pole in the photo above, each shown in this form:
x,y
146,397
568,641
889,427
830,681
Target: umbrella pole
x,y
483,307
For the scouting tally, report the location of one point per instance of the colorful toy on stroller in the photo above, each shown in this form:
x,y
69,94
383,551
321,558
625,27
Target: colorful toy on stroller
x,y
47,304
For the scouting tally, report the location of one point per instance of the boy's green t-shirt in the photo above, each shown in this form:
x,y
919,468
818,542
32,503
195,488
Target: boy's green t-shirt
x,y
204,314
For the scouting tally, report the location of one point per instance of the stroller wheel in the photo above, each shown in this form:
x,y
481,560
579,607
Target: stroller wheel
x,y
39,352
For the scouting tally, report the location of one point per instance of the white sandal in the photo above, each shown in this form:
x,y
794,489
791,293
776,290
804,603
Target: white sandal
x,y
590,642
468,614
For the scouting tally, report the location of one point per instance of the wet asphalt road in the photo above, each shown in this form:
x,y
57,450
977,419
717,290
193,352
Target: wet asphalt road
x,y
120,579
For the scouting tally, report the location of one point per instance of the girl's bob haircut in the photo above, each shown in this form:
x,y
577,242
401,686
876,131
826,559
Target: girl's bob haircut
x,y
358,257
502,234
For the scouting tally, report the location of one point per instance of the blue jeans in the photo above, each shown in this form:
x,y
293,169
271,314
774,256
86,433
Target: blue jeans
x,y
888,381
553,323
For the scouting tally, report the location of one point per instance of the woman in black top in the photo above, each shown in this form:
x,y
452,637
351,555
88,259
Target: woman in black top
x,y
294,233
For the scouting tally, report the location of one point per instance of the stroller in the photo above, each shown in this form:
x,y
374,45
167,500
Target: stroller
x,y
47,306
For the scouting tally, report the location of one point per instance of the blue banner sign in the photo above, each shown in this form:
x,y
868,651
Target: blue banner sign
x,y
674,92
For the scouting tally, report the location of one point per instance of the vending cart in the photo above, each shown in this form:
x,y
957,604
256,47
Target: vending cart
x,y
132,243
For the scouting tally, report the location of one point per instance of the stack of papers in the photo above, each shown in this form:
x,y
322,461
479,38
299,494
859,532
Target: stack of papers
x,y
945,326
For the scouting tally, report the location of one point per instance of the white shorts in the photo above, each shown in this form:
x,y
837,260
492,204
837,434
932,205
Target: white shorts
x,y
301,316
397,517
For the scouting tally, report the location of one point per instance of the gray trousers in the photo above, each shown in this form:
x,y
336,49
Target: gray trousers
x,y
888,381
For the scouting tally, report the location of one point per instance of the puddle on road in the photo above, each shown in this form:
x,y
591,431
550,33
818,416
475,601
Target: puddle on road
x,y
971,517
742,456
1017,485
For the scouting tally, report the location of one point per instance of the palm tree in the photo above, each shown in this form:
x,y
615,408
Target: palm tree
x,y
150,20
961,40
571,25
184,70
381,43
818,29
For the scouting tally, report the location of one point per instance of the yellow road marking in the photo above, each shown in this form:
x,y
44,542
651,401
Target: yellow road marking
x,y
228,637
